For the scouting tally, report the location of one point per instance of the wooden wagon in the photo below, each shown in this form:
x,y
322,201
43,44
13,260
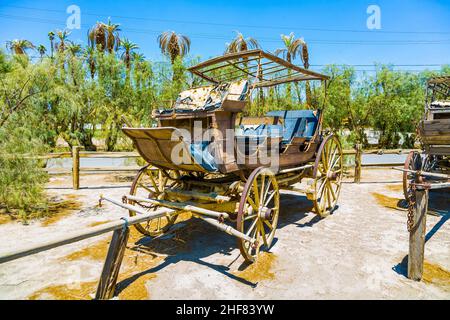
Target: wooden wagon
x,y
431,168
206,158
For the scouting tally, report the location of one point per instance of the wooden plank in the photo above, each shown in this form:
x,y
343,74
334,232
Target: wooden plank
x,y
111,268
81,235
76,167
358,163
417,236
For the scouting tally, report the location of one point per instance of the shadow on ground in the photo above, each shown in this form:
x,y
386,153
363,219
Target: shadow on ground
x,y
196,240
438,205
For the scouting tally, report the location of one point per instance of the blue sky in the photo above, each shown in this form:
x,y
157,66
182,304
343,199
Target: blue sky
x,y
413,32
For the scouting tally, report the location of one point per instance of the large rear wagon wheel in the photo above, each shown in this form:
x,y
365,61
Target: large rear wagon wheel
x,y
150,183
327,175
258,212
413,162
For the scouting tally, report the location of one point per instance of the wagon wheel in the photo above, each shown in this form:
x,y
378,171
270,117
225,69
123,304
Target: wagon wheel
x,y
151,183
413,162
327,175
258,212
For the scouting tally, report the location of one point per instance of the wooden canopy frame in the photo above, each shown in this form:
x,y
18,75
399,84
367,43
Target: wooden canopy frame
x,y
440,84
261,68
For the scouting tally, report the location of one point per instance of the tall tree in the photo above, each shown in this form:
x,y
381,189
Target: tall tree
x,y
294,47
74,48
51,37
89,55
174,45
105,36
19,46
42,50
128,48
240,43
62,36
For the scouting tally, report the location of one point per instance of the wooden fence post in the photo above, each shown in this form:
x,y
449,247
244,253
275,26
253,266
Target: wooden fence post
x,y
417,236
358,163
111,268
76,167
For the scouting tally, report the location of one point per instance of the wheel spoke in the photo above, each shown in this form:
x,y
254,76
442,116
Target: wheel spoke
x,y
252,227
250,217
268,224
331,190
145,187
333,154
262,193
252,203
263,233
255,191
269,199
155,185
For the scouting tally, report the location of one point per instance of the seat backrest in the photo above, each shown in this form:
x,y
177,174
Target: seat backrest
x,y
297,123
193,98
237,90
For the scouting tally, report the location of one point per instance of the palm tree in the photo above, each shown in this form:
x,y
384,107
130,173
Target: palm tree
x,y
105,36
89,54
137,57
51,37
293,48
19,47
240,43
42,50
128,48
113,40
62,36
174,45
74,48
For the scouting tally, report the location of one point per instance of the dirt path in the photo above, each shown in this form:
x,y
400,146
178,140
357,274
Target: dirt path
x,y
358,252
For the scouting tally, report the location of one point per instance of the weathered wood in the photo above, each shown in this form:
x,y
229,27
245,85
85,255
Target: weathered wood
x,y
83,234
358,163
76,167
184,206
111,268
417,236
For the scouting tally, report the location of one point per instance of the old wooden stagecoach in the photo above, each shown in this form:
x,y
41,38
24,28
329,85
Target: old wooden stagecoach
x,y
224,178
431,168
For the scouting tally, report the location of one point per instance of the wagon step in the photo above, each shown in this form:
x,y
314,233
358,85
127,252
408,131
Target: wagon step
x,y
213,197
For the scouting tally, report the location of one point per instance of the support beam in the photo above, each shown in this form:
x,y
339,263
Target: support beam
x,y
417,236
358,163
76,167
227,229
111,268
184,206
82,234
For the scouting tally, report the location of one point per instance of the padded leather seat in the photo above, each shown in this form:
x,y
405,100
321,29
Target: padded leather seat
x,y
297,123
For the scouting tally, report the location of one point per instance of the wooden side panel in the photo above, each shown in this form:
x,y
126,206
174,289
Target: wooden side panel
x,y
435,132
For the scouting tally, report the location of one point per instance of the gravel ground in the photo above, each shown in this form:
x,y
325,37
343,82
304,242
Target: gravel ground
x,y
359,252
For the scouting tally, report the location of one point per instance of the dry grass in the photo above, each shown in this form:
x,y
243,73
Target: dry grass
x,y
6,218
387,202
60,209
435,274
395,187
260,270
66,292
99,223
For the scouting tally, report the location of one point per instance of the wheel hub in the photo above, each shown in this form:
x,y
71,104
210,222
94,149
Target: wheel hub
x,y
331,175
266,213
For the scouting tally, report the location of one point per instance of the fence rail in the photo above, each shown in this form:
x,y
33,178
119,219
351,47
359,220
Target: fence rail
x,y
77,154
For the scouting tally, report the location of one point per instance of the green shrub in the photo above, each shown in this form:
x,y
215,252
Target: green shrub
x,y
22,179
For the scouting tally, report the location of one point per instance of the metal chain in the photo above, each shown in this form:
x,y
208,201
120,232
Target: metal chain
x,y
411,205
